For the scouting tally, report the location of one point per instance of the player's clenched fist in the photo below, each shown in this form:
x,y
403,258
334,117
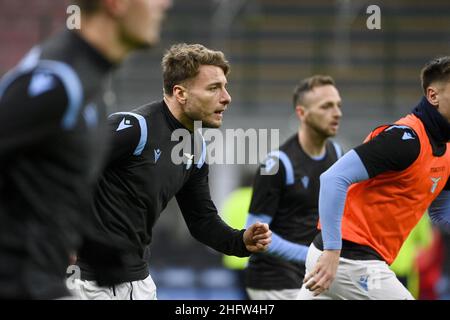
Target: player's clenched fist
x,y
257,237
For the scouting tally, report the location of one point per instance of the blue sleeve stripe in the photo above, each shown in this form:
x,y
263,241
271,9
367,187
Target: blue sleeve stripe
x,y
27,64
287,165
279,247
287,250
338,149
74,89
398,126
253,218
143,126
203,158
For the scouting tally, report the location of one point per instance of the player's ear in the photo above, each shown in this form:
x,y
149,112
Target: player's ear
x,y
180,93
433,95
300,110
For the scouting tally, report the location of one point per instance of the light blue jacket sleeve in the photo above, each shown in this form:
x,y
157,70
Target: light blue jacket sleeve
x,y
280,247
334,184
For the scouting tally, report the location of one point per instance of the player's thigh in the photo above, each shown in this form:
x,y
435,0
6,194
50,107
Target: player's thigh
x,y
367,280
386,286
311,258
342,286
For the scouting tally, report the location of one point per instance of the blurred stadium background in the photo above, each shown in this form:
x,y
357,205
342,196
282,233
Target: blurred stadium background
x,y
271,45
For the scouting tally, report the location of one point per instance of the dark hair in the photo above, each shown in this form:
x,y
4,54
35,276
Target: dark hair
x,y
436,70
88,6
308,84
182,62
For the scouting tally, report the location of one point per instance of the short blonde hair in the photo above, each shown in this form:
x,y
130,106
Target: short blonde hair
x,y
182,62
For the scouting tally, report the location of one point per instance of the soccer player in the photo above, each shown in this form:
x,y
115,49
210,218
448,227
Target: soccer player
x,y
143,174
286,195
52,141
374,195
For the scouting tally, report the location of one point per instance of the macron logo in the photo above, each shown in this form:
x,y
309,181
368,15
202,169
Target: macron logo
x,y
407,136
157,154
305,181
124,124
40,83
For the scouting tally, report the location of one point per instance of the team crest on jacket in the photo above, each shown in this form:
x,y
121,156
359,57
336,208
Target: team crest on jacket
x,y
305,182
435,183
190,160
157,154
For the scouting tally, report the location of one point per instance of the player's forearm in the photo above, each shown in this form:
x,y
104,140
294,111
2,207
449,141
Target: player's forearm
x,y
287,250
253,218
334,184
213,232
280,247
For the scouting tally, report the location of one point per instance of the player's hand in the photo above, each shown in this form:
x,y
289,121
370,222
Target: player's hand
x,y
323,273
257,237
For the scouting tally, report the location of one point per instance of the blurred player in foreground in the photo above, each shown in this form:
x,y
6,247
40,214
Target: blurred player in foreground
x,y
53,139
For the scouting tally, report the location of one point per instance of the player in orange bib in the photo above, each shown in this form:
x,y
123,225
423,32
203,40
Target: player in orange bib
x,y
371,199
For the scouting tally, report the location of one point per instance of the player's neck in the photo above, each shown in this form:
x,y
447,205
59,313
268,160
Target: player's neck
x,y
178,113
101,33
312,143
